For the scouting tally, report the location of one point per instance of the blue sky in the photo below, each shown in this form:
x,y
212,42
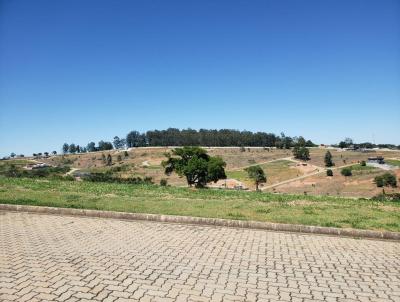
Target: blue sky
x,y
76,71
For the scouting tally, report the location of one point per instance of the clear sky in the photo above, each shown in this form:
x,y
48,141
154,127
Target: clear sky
x,y
76,71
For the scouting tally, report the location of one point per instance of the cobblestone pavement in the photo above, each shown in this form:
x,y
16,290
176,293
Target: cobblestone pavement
x,y
54,258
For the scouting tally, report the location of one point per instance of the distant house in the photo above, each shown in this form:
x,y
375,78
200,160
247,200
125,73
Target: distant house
x,y
352,148
36,166
376,160
365,150
40,166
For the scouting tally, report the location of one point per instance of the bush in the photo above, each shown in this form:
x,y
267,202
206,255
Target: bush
x,y
363,163
386,180
387,197
163,182
13,171
109,160
346,172
329,172
379,181
148,179
69,178
108,177
119,158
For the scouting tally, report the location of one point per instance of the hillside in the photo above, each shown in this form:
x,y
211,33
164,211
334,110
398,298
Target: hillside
x,y
284,174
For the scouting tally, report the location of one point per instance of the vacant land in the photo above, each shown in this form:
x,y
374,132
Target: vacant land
x,y
360,184
296,209
342,158
277,171
278,165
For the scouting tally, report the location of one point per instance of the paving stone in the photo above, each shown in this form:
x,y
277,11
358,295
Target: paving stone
x,y
62,258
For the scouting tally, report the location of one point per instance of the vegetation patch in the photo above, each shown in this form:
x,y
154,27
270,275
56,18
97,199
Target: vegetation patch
x,y
150,198
393,162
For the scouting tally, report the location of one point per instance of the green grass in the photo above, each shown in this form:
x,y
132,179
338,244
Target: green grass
x,y
238,174
4,165
295,209
358,169
276,171
393,162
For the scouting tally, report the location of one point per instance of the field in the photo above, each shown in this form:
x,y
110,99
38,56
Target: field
x,y
297,209
284,174
359,184
278,171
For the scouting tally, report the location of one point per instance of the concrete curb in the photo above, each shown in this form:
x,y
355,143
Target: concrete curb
x,y
206,221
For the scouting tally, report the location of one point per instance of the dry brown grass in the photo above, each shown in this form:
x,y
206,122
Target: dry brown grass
x,y
358,185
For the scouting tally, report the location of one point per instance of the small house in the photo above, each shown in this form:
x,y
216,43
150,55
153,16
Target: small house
x,y
376,160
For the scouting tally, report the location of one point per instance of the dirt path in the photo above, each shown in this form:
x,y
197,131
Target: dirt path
x,y
319,170
145,163
291,180
71,171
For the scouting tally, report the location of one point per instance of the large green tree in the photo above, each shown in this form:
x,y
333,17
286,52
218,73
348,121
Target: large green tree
x,y
301,153
119,143
72,148
91,147
105,145
195,165
256,173
65,148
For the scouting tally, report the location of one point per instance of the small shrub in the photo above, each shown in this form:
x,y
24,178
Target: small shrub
x,y
119,158
387,197
163,182
109,160
148,179
386,180
116,169
379,181
346,172
126,154
108,177
329,172
363,163
69,177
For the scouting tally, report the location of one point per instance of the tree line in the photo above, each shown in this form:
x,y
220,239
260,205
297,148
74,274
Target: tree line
x,y
191,137
349,143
